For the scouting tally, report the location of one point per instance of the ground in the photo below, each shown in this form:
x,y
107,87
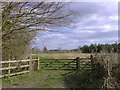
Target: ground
x,y
52,78
49,79
36,79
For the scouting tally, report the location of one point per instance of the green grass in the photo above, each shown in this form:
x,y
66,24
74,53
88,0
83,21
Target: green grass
x,y
44,78
48,78
51,79
37,79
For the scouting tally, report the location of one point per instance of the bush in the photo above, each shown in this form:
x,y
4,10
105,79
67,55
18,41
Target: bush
x,y
107,70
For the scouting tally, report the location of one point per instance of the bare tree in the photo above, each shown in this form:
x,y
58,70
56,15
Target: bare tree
x,y
22,20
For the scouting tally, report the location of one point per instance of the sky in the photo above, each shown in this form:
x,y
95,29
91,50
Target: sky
x,y
96,22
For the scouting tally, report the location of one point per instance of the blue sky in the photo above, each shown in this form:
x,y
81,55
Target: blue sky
x,y
95,23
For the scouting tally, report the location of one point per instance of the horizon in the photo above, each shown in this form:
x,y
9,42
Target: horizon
x,y
75,47
96,23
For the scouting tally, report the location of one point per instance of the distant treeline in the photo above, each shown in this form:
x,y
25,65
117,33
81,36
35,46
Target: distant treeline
x,y
100,47
96,48
93,48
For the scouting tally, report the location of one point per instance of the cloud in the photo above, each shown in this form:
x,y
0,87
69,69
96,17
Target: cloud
x,y
95,23
53,36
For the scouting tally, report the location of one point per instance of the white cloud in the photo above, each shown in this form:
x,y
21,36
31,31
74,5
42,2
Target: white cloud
x,y
53,36
107,27
97,23
114,18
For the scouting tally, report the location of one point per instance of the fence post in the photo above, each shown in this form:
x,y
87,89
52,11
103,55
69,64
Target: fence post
x,y
78,63
38,63
31,65
9,69
92,61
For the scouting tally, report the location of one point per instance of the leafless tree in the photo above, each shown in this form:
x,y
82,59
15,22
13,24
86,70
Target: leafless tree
x,y
22,20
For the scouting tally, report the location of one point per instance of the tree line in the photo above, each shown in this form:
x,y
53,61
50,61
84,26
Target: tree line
x,y
93,48
96,48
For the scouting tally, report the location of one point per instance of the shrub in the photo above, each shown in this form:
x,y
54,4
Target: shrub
x,y
107,70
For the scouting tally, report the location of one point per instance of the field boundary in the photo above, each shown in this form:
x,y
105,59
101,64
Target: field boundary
x,y
18,66
76,63
15,67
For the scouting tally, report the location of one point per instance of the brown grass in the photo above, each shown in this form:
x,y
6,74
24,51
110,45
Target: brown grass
x,y
64,55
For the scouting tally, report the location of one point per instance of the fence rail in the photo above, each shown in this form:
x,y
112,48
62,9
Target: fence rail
x,y
29,65
69,59
56,64
16,67
13,61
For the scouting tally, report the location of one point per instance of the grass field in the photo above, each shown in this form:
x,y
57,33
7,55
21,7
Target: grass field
x,y
63,55
36,79
53,58
49,79
44,78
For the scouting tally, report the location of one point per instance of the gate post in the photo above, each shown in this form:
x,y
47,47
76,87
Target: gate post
x,y
9,72
92,61
78,63
30,63
38,63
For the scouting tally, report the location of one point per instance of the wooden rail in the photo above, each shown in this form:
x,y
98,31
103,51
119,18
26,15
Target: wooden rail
x,y
13,61
12,74
88,59
70,63
30,64
34,64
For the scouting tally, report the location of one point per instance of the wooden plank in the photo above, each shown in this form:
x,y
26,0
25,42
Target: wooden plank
x,y
78,63
57,59
9,68
17,61
31,64
86,59
14,61
14,67
38,63
34,59
57,63
12,74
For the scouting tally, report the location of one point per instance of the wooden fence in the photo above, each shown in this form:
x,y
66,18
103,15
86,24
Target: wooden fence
x,y
76,63
15,67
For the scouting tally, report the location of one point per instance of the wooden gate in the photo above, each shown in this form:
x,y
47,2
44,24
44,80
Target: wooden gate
x,y
65,64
